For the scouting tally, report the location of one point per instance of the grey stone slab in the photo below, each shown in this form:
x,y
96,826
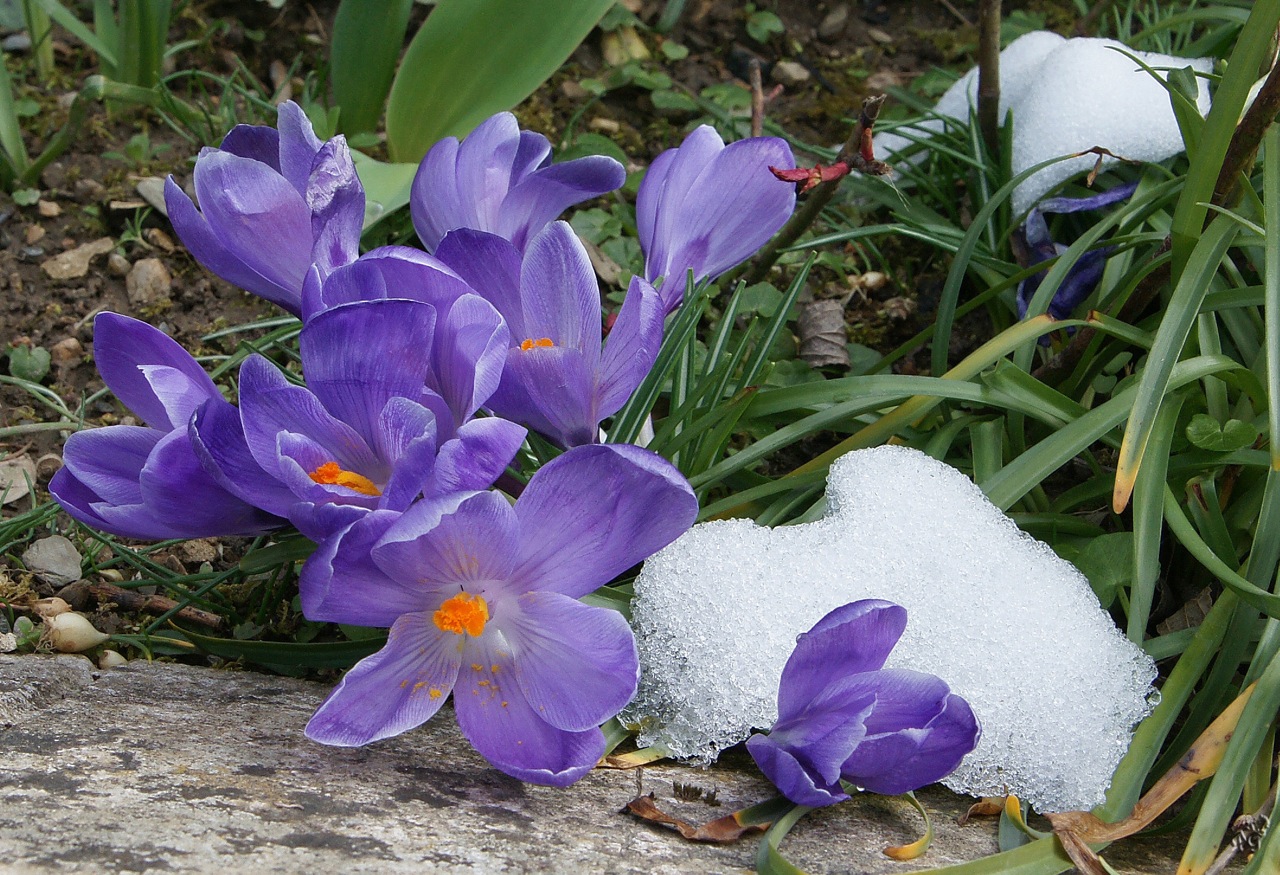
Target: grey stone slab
x,y
172,768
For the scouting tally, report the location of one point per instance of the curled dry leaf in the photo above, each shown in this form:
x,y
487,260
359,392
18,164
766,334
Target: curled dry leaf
x,y
16,476
719,831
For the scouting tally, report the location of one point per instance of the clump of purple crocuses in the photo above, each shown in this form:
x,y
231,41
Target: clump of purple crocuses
x,y
420,374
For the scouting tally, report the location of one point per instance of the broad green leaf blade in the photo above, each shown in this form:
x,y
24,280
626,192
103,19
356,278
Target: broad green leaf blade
x,y
367,38
386,186
1180,315
472,58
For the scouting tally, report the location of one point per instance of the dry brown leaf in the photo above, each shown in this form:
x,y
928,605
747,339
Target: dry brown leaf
x,y
987,806
720,831
821,334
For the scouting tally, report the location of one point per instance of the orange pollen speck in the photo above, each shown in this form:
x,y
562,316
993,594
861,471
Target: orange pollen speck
x,y
530,343
330,474
462,613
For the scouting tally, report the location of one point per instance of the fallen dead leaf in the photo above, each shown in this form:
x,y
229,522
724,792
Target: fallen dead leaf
x,y
75,262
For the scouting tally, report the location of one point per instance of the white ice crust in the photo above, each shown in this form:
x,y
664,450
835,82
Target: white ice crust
x,y
1068,95
997,614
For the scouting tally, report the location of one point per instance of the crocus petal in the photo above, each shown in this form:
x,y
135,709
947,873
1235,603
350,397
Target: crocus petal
x,y
495,717
478,454
546,193
358,356
469,547
483,170
340,583
298,145
434,193
632,347
216,256
1092,202
123,346
336,200
107,461
469,355
409,434
388,272
399,687
792,779
533,151
259,142
257,215
76,499
559,296
491,266
576,664
217,436
853,639
552,391
662,192
595,511
910,759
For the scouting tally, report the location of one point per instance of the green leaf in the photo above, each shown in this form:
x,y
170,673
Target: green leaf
x,y
386,186
761,25
1207,433
674,51
26,197
367,38
472,58
79,30
329,654
29,363
1105,561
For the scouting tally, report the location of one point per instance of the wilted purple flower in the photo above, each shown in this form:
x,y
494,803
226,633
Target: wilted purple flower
x,y
501,180
706,207
1037,246
482,600
841,715
558,380
272,204
139,481
366,433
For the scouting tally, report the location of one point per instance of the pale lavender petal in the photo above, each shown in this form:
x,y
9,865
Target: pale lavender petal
x,y
912,758
216,256
593,512
122,347
631,348
298,146
468,548
300,456
660,200
409,433
107,461
853,639
336,200
533,151
552,391
434,204
399,687
650,199
389,272
358,356
495,717
576,664
559,296
217,435
491,266
543,195
478,454
792,778
483,170
340,583
469,355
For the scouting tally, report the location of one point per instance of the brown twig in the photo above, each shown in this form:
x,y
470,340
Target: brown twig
x,y
856,153
129,600
989,73
1244,143
757,99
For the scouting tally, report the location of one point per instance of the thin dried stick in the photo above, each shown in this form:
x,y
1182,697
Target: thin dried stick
x,y
757,99
989,73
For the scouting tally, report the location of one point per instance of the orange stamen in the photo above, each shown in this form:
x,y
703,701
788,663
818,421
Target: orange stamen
x,y
462,613
543,342
330,474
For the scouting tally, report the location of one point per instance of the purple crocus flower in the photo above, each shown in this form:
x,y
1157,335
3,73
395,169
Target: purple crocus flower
x,y
842,716
558,380
366,433
706,207
482,600
138,481
1036,246
272,204
500,179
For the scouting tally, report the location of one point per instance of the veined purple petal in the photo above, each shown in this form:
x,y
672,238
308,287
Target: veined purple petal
x,y
358,356
559,296
1092,202
793,779
434,203
259,142
107,461
894,763
298,146
76,499
595,511
399,687
123,347
495,717
631,348
470,548
217,436
300,458
491,266
544,194
408,432
532,152
848,642
258,217
662,192
208,248
576,664
340,583
552,391
469,355
477,455
336,200
485,160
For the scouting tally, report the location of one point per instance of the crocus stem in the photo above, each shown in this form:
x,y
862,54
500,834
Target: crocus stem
x,y
757,99
989,73
852,154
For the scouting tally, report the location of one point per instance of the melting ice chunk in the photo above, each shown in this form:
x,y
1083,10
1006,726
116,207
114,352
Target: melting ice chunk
x,y
997,614
1068,95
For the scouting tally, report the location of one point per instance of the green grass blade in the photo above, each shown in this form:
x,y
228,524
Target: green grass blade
x,y
367,38
80,31
1148,520
329,654
472,58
